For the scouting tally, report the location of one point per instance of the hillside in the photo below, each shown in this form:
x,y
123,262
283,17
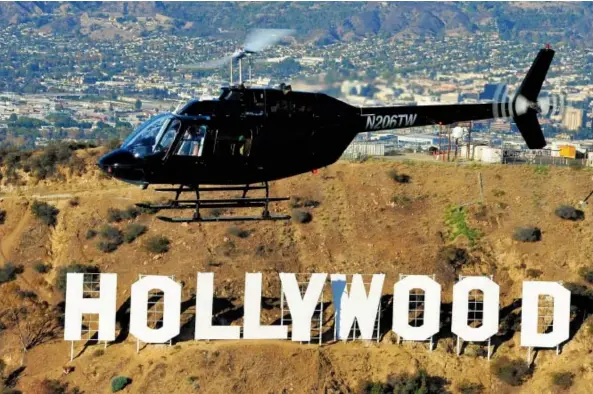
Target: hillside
x,y
320,22
365,223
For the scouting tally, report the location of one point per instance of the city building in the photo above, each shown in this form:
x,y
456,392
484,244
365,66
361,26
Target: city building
x,y
573,119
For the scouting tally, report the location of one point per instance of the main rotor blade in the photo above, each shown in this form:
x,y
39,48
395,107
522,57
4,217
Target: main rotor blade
x,y
259,39
208,65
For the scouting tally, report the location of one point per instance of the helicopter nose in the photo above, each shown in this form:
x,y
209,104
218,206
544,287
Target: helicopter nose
x,y
123,165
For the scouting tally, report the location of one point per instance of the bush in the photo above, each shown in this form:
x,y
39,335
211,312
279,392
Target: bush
x,y
133,231
399,178
45,212
114,215
237,232
2,216
533,273
42,268
587,274
420,382
74,202
470,388
527,234
27,294
73,268
512,372
91,233
157,244
117,215
374,388
455,257
569,213
106,246
564,380
9,272
53,386
456,222
298,202
302,217
111,239
98,353
145,208
119,383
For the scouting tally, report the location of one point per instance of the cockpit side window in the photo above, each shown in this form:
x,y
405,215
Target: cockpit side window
x,y
192,142
168,136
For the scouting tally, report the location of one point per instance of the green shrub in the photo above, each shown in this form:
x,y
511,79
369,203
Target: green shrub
x,y
512,372
564,380
587,274
119,383
9,271
133,231
418,383
111,238
193,381
569,213
466,387
131,212
45,212
533,273
456,221
237,232
52,386
27,294
542,170
399,178
106,246
498,193
60,282
145,208
74,202
115,215
527,234
91,233
298,202
302,216
157,244
98,353
374,388
2,216
42,268
401,200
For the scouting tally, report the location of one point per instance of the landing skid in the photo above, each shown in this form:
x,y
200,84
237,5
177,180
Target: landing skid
x,y
221,203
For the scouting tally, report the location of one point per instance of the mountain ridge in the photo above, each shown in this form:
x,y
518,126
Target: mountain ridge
x,y
321,22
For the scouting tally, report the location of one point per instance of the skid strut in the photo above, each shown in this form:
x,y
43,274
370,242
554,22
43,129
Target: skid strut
x,y
219,203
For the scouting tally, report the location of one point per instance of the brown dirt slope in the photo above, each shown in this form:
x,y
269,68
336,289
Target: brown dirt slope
x,y
365,223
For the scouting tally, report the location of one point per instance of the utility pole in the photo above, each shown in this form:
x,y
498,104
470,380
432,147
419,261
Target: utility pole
x,y
449,143
469,138
440,139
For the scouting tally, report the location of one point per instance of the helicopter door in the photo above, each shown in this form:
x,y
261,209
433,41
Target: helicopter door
x,y
192,142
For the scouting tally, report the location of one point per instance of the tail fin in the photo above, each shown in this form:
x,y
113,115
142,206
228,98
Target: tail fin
x,y
530,87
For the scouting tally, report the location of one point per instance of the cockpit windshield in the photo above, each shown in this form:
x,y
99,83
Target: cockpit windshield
x,y
150,136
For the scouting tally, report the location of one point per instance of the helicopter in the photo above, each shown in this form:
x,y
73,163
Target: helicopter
x,y
251,136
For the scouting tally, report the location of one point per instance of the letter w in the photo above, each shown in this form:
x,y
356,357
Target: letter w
x,y
355,304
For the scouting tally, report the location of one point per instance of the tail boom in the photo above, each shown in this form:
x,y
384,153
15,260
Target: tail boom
x,y
524,115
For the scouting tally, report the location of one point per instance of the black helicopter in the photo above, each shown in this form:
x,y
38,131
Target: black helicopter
x,y
250,136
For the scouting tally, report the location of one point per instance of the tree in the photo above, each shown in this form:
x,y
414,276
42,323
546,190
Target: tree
x,y
138,105
23,314
12,118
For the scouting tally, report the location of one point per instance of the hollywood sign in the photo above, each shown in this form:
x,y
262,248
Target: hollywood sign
x,y
351,302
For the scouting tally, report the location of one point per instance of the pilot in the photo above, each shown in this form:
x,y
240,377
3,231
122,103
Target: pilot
x,y
192,141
